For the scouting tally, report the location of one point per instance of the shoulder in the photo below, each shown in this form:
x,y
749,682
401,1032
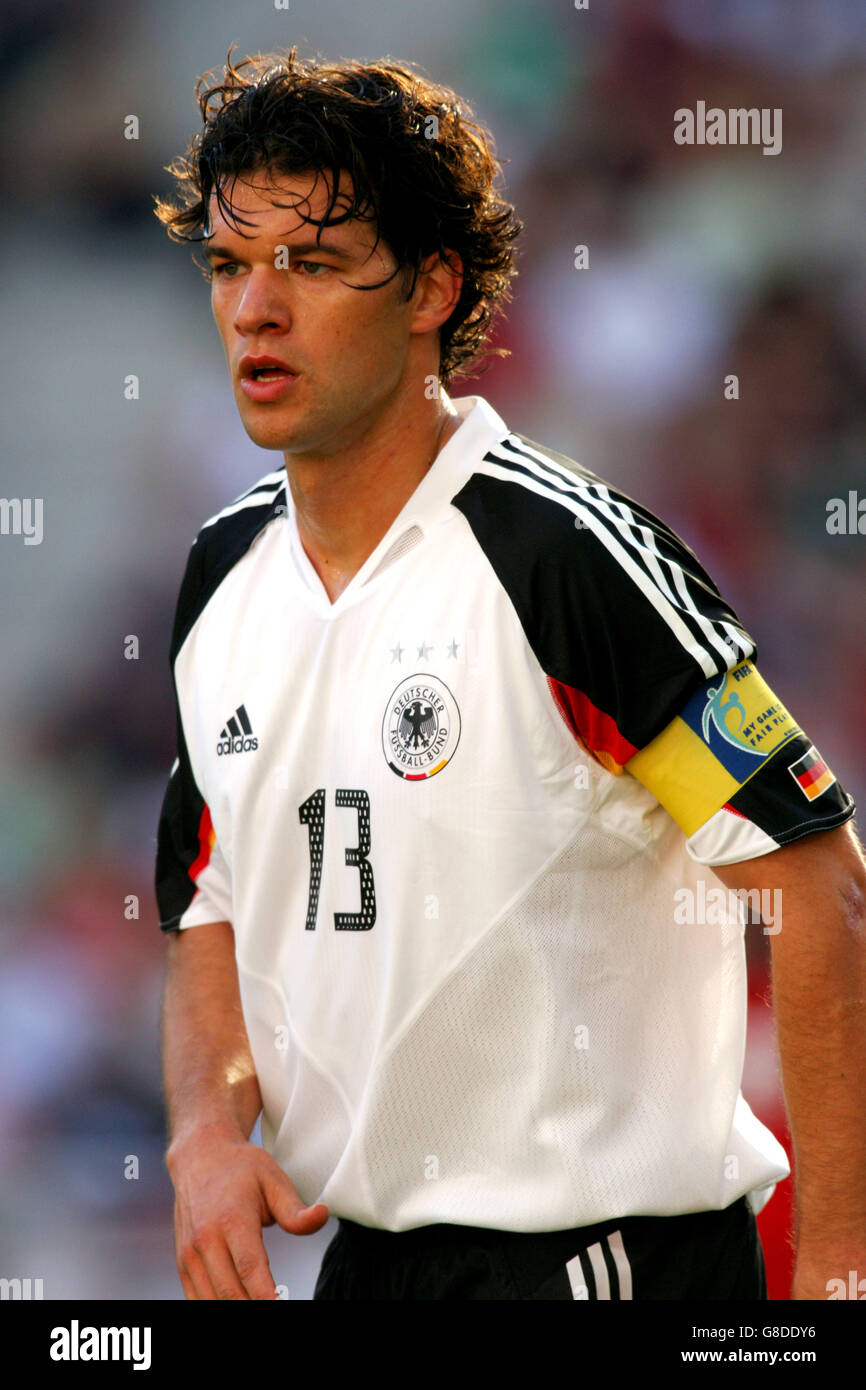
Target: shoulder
x,y
611,599
559,511
221,542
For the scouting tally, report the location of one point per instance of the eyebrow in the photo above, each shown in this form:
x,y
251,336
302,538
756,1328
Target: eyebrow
x,y
301,248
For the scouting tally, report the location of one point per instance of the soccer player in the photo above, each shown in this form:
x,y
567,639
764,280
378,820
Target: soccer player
x,y
468,746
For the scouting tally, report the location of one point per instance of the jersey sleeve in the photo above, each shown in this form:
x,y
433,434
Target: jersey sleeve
x,y
193,872
650,667
193,878
669,693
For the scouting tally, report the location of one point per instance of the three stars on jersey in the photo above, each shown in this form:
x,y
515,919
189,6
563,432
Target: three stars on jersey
x,y
424,650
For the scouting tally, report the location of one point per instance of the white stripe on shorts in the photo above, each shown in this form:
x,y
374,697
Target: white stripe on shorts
x,y
599,1269
574,1270
620,1258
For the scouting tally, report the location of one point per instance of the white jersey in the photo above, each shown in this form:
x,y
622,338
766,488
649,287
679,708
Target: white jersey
x,y
470,991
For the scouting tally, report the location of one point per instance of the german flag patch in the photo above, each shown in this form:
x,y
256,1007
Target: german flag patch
x,y
811,774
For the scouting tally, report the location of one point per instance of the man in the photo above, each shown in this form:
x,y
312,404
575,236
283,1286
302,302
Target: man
x,y
459,726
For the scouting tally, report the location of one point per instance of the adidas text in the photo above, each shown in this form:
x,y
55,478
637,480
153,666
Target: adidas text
x,y
237,745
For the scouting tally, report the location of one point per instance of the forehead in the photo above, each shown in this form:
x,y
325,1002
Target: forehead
x,y
259,200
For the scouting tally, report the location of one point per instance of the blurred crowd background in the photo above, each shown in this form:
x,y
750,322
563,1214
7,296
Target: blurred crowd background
x,y
703,262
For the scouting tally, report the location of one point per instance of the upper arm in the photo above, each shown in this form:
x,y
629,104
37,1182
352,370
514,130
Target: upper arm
x,y
819,876
738,774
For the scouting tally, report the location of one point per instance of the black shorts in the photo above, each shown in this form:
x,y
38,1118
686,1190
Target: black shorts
x,y
705,1255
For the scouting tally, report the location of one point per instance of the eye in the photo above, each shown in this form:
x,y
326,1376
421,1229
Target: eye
x,y
224,268
313,266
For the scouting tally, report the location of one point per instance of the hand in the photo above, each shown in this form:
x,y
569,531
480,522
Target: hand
x,y
226,1190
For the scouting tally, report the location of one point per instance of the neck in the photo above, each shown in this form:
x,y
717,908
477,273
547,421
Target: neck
x,y
345,502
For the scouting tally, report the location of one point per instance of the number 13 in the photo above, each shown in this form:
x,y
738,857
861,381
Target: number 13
x,y
311,813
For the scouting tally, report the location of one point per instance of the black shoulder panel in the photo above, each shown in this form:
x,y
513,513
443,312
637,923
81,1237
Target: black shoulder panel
x,y
184,820
216,550
593,610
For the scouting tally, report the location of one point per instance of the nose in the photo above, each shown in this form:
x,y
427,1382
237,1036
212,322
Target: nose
x,y
262,305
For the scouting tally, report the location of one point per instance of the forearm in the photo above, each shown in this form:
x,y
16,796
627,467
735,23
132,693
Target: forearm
x,y
819,990
208,1070
819,997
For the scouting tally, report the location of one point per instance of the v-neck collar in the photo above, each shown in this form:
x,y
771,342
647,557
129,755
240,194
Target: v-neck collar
x,y
480,428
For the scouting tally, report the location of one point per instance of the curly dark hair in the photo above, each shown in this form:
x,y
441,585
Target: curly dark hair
x,y
421,169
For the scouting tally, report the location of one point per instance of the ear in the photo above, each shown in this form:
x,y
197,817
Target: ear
x,y
437,291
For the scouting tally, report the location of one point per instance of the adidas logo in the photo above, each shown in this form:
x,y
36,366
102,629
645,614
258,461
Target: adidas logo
x,y
237,736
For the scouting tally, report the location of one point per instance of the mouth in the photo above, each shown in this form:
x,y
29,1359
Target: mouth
x,y
264,368
268,373
265,378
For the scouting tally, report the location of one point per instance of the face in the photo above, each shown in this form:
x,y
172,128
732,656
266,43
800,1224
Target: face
x,y
313,362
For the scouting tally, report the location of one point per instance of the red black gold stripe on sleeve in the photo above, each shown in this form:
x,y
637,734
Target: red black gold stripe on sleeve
x,y
206,837
594,729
